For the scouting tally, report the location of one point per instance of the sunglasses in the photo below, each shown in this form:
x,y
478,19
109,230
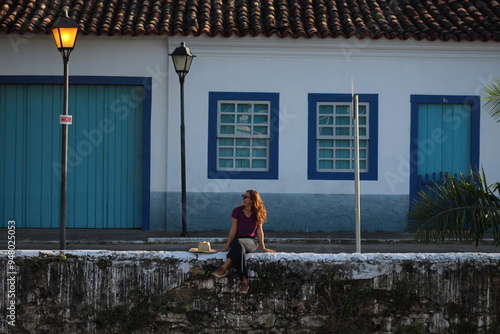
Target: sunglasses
x,y
245,196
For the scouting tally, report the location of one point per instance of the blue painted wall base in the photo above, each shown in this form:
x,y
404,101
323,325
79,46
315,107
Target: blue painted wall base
x,y
286,212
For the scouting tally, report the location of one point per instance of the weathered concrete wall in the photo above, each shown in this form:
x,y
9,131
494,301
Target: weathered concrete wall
x,y
174,292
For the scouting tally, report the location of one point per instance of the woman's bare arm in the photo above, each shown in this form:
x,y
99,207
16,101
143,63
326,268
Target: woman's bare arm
x,y
260,238
230,237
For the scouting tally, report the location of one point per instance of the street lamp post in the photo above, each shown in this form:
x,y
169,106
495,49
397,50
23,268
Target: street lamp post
x,y
182,58
64,31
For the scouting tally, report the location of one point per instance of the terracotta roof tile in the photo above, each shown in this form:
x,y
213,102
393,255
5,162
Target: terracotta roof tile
x,y
419,19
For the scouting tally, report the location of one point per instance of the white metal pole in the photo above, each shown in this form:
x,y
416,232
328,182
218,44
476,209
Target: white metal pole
x,y
357,210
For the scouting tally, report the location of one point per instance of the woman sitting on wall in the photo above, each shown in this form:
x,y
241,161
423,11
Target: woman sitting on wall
x,y
247,220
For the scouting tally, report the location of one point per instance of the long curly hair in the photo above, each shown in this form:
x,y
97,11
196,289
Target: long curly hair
x,y
258,208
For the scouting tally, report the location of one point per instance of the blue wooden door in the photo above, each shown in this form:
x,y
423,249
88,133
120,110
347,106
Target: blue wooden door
x,y
104,156
444,137
444,140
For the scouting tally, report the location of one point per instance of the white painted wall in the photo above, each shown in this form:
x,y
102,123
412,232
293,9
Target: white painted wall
x,y
294,68
291,67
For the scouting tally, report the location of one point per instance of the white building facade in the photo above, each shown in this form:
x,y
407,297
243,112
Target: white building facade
x,y
264,113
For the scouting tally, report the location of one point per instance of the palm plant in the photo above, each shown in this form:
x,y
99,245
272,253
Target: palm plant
x,y
492,99
461,208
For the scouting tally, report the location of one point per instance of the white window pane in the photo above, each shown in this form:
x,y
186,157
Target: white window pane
x,y
342,131
335,121
261,108
226,129
325,153
342,110
242,141
225,152
226,142
259,142
225,163
258,163
260,130
326,131
342,154
342,120
259,152
326,164
325,143
260,119
242,163
244,119
243,130
244,108
326,120
343,143
342,164
227,108
242,152
326,109
227,119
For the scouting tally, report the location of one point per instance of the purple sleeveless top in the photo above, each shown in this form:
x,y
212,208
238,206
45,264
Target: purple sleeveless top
x,y
247,226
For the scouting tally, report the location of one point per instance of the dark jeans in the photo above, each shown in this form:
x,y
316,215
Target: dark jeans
x,y
237,253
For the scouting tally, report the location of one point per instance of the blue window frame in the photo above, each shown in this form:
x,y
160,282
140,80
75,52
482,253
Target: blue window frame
x,y
243,135
331,137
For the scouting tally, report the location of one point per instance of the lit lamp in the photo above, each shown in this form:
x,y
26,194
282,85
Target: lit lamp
x,y
64,32
182,58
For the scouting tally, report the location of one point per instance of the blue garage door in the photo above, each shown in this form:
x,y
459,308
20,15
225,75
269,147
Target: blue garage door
x,y
104,155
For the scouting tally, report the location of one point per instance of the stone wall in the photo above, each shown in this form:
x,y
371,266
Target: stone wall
x,y
174,292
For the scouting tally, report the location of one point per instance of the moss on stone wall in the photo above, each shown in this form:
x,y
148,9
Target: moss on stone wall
x,y
168,293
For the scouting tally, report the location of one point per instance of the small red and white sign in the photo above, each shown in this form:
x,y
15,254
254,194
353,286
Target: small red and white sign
x,y
65,119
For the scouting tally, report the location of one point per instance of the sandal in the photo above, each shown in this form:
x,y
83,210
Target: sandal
x,y
244,288
220,273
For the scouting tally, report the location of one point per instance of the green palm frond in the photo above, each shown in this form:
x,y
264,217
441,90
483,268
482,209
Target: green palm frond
x,y
462,208
492,99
